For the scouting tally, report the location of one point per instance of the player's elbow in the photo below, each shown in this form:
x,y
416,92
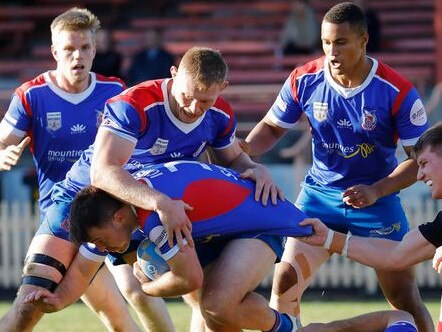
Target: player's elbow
x,y
97,177
191,281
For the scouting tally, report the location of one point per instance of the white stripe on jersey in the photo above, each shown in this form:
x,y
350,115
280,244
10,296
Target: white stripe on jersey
x,y
90,252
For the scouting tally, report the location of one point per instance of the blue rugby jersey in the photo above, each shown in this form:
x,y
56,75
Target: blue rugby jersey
x,y
354,130
61,124
223,204
142,115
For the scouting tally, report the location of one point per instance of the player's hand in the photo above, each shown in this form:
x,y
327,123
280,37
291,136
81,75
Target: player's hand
x,y
319,235
10,156
44,300
177,224
437,260
359,196
142,278
265,186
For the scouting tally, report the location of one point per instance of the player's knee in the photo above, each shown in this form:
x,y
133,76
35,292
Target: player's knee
x,y
217,308
43,271
284,278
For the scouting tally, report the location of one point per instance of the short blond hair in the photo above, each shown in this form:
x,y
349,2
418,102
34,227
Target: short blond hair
x,y
205,66
75,19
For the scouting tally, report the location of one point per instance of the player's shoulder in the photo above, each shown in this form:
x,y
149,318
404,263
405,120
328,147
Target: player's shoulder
x,y
101,79
311,67
388,74
142,95
38,81
221,105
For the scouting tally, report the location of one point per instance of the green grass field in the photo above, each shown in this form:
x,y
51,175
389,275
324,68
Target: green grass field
x,y
79,318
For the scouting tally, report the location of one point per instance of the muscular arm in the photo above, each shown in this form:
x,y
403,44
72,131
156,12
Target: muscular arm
x,y
185,276
264,136
234,157
378,253
391,255
110,154
71,288
403,176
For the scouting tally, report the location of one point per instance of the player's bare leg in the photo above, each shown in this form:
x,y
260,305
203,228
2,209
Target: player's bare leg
x,y
294,274
401,291
48,257
104,298
197,322
152,311
229,304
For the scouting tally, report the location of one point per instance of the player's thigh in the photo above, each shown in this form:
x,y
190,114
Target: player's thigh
x,y
123,274
237,271
47,261
103,291
306,259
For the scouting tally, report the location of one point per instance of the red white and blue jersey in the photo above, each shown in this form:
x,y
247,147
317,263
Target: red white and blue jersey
x,y
142,115
61,124
223,204
354,130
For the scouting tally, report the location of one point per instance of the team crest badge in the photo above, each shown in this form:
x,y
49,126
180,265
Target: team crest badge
x,y
159,147
320,111
368,120
53,120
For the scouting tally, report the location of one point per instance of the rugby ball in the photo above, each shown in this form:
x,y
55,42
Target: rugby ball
x,y
150,261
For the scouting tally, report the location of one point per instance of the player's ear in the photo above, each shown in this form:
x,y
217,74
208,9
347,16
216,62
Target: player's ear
x,y
54,52
173,71
225,85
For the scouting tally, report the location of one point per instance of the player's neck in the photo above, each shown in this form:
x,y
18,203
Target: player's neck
x,y
357,76
64,84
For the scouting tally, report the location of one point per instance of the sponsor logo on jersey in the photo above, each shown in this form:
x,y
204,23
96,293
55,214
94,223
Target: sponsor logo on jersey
x,y
65,225
363,149
53,120
64,155
386,230
418,117
159,147
344,124
158,235
369,120
176,155
320,111
78,128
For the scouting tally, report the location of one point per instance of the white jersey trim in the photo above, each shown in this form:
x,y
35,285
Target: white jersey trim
x,y
278,122
409,142
349,92
92,256
74,98
184,127
6,128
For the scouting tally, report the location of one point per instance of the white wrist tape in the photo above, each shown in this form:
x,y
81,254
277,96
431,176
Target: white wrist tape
x,y
345,250
328,240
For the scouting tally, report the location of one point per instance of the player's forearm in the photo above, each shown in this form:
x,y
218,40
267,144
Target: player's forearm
x,y
391,255
119,183
263,138
169,285
403,176
76,281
